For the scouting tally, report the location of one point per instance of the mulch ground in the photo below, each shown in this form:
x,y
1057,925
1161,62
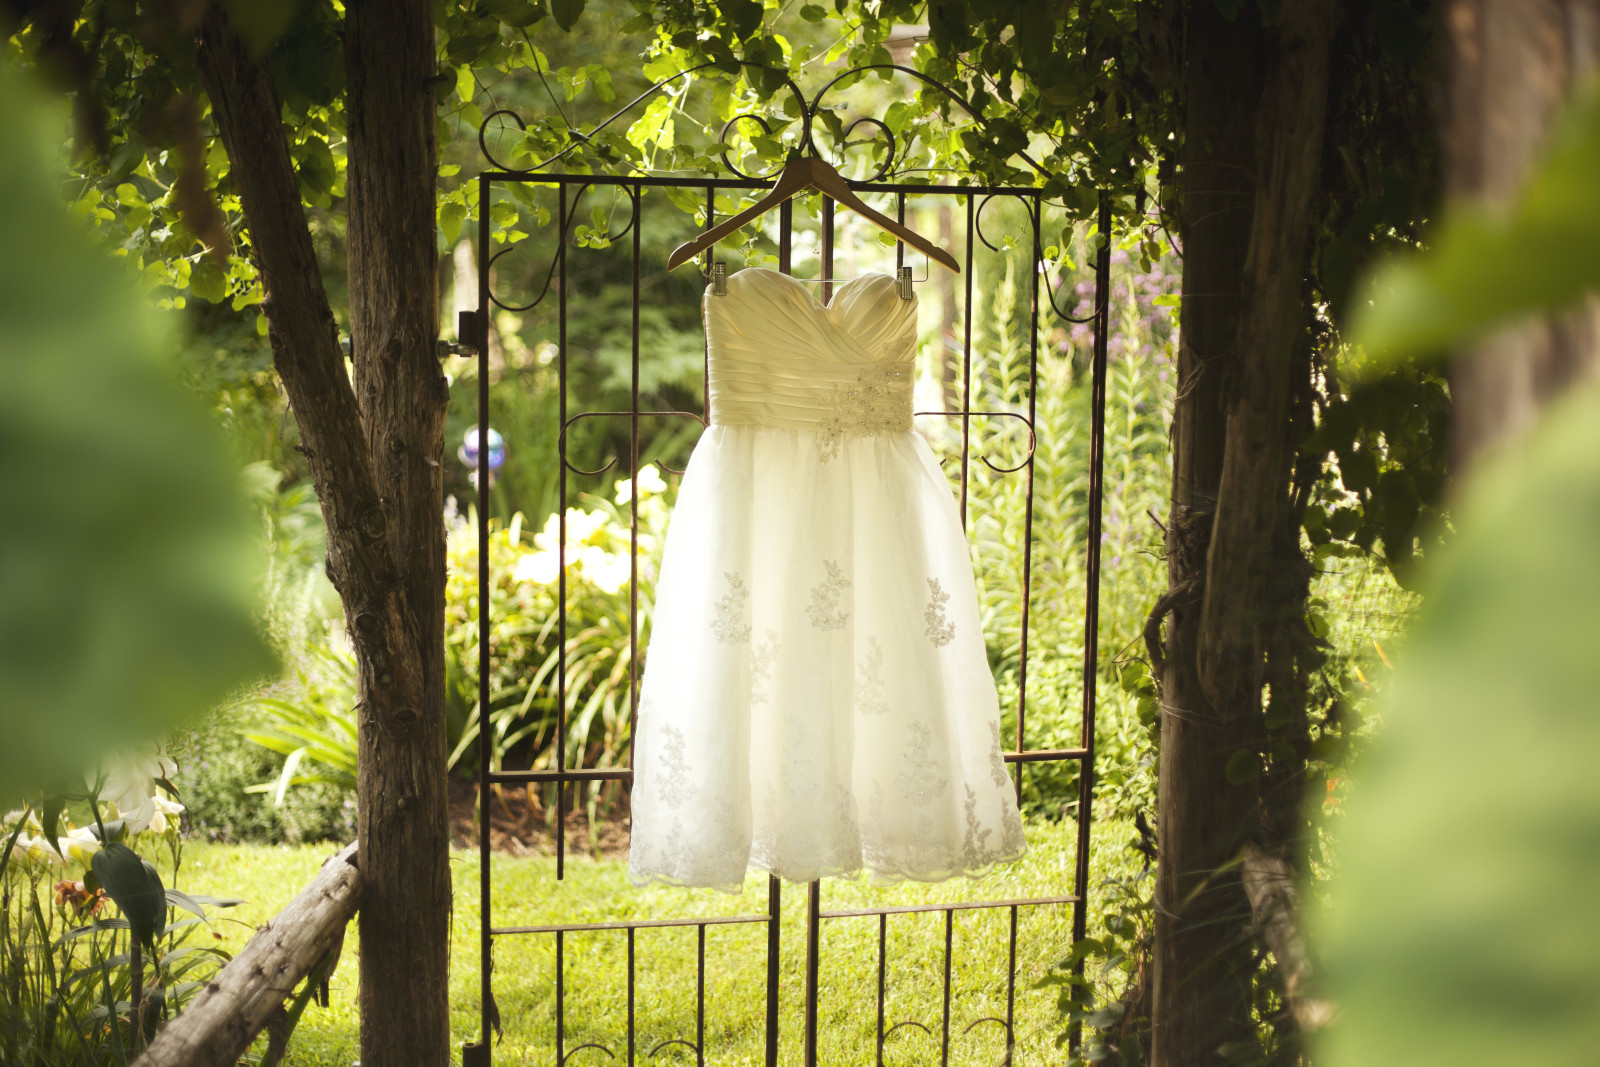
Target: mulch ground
x,y
520,824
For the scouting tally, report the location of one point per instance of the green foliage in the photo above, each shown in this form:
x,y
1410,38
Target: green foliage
x,y
1093,980
1137,473
1385,494
218,768
525,688
126,596
315,731
69,967
1441,939
1486,265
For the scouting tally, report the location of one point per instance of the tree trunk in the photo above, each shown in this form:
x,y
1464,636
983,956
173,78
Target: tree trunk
x,y
1514,64
394,326
1254,491
1201,994
377,466
1245,241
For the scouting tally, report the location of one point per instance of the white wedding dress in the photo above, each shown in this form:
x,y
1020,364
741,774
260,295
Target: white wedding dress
x,y
816,698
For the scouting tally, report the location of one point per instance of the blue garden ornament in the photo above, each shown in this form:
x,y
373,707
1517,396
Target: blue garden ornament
x,y
468,453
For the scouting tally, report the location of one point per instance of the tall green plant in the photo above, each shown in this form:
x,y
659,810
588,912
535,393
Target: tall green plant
x,y
93,953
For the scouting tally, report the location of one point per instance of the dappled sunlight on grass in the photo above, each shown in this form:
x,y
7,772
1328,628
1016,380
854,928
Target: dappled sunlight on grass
x,y
527,893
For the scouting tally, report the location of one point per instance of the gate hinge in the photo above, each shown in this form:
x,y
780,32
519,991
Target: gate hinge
x,y
472,333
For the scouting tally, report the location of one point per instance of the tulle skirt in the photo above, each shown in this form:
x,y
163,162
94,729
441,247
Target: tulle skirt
x,y
816,695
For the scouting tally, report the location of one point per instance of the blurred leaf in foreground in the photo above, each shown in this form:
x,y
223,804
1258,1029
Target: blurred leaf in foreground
x,y
1463,928
127,559
1488,266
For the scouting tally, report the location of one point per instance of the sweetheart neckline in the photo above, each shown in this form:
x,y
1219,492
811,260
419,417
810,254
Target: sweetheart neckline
x,y
811,298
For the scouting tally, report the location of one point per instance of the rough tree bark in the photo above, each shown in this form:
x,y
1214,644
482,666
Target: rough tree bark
x,y
394,326
1514,62
376,464
1255,474
1201,996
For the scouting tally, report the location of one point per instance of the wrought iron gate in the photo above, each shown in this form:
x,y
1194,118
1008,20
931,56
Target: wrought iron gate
x,y
570,189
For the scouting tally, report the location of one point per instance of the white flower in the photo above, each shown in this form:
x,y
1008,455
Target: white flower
x,y
648,483
164,808
539,567
581,527
609,573
131,786
81,843
37,852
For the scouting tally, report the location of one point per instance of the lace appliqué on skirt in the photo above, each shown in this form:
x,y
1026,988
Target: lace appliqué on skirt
x,y
729,621
940,631
824,610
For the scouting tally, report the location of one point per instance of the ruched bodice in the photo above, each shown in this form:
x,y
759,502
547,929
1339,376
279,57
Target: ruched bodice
x,y
781,359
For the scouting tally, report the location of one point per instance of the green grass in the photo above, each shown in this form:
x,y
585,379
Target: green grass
x,y
527,893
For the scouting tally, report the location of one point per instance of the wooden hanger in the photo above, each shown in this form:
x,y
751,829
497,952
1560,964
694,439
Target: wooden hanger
x,y
798,175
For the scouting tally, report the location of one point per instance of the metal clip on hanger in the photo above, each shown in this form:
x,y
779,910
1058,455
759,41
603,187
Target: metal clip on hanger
x,y
903,275
719,278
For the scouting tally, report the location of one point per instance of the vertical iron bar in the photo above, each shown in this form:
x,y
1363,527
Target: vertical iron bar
x,y
883,974
774,929
1011,987
1027,514
561,1001
1091,611
827,249
785,249
966,367
561,550
785,235
631,932
485,752
813,944
700,998
949,938
899,245
633,474
711,258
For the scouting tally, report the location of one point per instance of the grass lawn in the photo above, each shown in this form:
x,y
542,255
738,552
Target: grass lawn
x,y
527,893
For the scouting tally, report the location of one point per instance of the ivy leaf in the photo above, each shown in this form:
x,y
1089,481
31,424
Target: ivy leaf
x,y
566,12
451,216
744,16
1243,767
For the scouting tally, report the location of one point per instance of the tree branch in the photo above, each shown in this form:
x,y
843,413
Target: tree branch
x,y
305,349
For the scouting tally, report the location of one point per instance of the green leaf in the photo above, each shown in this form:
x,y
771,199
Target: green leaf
x,y
813,13
135,887
566,12
743,15
50,819
1243,766
451,216
208,281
